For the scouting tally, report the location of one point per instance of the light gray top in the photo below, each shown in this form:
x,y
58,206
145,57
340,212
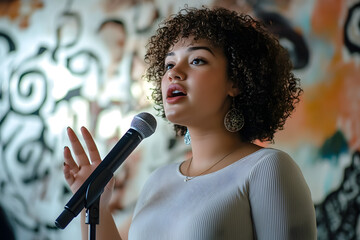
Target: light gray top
x,y
261,196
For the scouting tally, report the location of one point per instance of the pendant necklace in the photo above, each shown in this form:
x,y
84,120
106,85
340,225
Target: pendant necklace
x,y
187,178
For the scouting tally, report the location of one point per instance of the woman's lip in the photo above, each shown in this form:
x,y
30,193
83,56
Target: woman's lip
x,y
172,100
175,87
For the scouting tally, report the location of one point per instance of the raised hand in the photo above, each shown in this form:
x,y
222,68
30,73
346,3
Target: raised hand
x,y
76,172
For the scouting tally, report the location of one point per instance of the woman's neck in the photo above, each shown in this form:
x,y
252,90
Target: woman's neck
x,y
214,151
208,147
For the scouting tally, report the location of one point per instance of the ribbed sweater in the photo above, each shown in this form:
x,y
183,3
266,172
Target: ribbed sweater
x,y
261,196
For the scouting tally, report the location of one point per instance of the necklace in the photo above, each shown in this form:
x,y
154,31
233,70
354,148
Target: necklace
x,y
187,178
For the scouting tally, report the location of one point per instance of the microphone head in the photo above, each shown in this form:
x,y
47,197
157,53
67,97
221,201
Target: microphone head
x,y
144,123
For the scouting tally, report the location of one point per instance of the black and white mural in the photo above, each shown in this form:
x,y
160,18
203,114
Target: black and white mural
x,y
79,63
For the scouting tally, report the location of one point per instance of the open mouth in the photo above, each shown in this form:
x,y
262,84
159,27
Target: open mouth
x,y
175,91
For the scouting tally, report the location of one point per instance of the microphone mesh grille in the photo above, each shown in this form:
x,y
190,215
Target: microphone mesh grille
x,y
144,123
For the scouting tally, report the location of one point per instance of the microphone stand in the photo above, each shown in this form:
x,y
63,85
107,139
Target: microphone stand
x,y
92,201
93,218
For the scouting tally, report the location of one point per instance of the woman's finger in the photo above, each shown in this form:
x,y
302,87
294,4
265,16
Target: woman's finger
x,y
81,157
70,167
69,160
91,146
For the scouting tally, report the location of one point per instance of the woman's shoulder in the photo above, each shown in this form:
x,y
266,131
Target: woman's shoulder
x,y
267,155
262,159
271,161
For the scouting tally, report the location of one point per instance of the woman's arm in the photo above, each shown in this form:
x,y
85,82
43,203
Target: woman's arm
x,y
280,199
76,172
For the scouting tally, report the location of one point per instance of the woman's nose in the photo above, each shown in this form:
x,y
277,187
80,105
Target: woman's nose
x,y
176,74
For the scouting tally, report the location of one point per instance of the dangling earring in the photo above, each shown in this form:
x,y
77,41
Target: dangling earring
x,y
187,138
234,119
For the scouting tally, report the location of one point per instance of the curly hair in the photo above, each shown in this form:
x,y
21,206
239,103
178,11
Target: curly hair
x,y
256,63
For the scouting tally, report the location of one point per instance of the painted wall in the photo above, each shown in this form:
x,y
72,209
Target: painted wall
x,y
79,63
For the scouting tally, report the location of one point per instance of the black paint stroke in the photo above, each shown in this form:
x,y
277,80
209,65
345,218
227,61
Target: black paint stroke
x,y
279,26
353,12
68,17
338,215
10,43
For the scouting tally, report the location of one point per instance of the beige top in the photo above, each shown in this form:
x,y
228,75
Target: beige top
x,y
261,196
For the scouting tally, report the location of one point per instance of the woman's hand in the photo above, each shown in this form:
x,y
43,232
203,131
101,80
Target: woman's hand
x,y
76,172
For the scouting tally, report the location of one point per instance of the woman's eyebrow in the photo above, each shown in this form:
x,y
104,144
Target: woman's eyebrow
x,y
199,48
190,49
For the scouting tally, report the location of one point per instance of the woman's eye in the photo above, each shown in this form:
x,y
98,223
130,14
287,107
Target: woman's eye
x,y
197,61
169,66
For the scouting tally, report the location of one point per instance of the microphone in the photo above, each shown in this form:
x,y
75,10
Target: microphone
x,y
142,126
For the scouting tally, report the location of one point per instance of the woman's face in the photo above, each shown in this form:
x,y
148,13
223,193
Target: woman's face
x,y
195,87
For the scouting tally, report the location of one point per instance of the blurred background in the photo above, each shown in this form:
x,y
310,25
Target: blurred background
x,y
79,63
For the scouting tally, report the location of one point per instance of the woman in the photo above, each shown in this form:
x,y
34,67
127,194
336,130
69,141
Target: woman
x,y
224,81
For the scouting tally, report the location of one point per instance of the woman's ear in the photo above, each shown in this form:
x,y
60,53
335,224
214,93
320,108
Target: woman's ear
x,y
234,91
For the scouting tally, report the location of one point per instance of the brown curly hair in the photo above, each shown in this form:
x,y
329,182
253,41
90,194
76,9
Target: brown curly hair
x,y
256,63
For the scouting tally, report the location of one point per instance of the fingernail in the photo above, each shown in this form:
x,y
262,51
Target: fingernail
x,y
83,130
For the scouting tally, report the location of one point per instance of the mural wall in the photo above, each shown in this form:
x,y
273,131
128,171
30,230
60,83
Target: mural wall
x,y
79,63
